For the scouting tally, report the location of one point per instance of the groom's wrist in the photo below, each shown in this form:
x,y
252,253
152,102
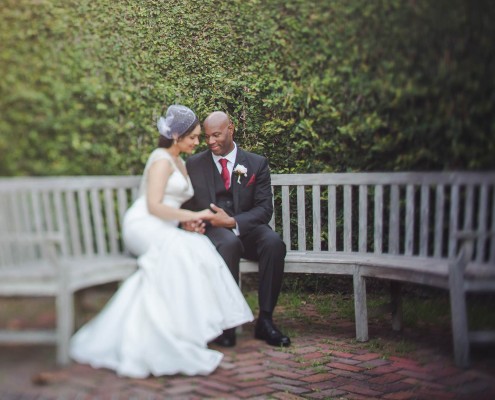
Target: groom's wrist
x,y
232,223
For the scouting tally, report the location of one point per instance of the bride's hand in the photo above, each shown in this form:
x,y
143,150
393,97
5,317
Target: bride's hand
x,y
205,214
197,226
197,223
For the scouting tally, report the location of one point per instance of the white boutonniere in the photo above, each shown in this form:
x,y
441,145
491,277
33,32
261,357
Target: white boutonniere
x,y
240,170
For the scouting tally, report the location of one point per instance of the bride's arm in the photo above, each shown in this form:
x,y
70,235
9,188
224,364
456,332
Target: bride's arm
x,y
158,176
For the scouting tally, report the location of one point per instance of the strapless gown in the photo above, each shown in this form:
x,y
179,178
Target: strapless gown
x,y
181,297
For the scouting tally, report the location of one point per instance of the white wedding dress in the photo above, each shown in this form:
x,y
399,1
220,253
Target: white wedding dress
x,y
182,296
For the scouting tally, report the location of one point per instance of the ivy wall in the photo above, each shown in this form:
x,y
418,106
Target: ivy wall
x,y
316,85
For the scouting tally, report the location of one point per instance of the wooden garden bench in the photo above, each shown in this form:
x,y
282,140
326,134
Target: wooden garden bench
x,y
59,235
62,234
404,227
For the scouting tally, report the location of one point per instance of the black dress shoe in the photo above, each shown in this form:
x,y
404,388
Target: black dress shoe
x,y
226,339
267,331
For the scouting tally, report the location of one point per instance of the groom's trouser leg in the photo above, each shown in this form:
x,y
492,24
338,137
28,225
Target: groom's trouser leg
x,y
265,246
229,246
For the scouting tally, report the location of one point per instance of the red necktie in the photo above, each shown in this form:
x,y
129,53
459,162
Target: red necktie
x,y
225,172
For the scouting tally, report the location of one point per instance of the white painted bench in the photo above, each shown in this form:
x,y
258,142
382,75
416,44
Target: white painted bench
x,y
62,234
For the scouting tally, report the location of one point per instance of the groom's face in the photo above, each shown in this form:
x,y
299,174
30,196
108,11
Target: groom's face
x,y
220,137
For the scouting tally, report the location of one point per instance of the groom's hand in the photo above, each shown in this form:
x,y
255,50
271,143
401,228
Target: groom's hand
x,y
221,218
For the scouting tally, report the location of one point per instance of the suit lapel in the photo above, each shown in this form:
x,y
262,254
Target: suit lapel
x,y
209,169
236,190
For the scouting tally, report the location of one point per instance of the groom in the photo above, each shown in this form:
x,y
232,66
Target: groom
x,y
236,185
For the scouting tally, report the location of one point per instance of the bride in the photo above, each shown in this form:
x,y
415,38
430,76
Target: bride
x,y
183,295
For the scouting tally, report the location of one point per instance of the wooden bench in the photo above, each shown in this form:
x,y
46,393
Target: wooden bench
x,y
62,234
403,227
59,235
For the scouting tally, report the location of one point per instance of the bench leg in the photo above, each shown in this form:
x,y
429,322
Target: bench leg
x,y
65,325
396,303
459,316
360,307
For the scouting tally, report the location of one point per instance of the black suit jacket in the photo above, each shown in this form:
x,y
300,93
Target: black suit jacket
x,y
252,196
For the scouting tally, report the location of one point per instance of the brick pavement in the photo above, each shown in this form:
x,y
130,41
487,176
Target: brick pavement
x,y
323,363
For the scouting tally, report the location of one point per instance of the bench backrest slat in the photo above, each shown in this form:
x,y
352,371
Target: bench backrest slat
x,y
482,222
96,210
347,218
453,224
47,198
363,218
424,221
74,231
378,220
123,203
111,225
332,218
409,227
60,220
468,208
27,224
316,217
85,221
37,211
439,220
301,218
394,233
286,216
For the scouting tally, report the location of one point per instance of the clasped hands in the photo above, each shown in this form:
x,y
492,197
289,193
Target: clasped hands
x,y
216,216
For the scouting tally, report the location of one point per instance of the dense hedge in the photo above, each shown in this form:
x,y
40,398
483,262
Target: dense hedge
x,y
316,85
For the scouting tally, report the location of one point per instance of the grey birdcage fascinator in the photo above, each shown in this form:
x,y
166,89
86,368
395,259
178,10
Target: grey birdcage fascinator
x,y
177,121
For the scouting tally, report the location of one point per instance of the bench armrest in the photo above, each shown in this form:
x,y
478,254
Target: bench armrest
x,y
466,247
46,241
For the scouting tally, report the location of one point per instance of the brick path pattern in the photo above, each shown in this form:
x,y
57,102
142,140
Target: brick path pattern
x,y
324,362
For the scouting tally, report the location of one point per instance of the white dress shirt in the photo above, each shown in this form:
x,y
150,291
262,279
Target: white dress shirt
x,y
230,161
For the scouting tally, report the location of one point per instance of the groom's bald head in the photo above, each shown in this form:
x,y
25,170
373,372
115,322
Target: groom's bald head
x,y
217,117
219,133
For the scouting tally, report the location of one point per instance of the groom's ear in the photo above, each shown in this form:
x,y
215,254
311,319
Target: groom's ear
x,y
231,128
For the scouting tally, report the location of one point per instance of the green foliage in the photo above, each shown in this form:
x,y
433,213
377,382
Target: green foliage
x,y
314,85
